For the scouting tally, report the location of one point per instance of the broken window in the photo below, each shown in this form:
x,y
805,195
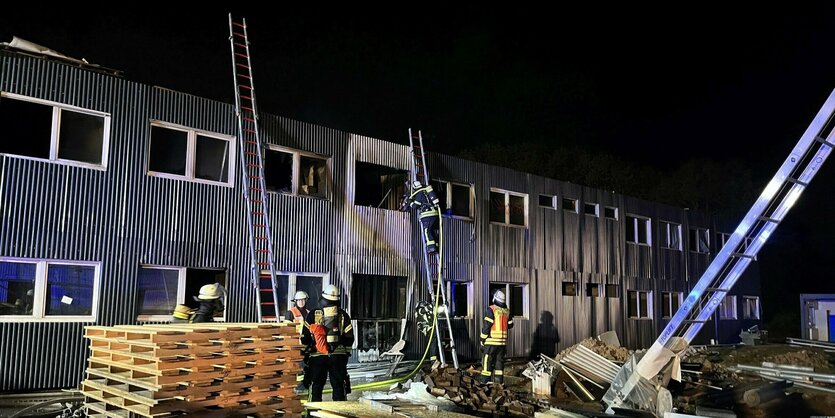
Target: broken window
x,y
516,297
40,129
610,213
547,201
670,302
157,291
727,307
508,208
592,290
699,240
569,205
313,176
379,308
455,199
637,230
750,307
670,235
182,152
592,209
612,291
640,304
569,289
196,278
278,171
379,186
42,289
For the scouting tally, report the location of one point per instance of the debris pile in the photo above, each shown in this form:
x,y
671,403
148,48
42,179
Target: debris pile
x,y
465,390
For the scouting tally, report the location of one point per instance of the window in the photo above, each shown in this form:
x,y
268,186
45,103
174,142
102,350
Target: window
x,y
296,173
750,307
727,307
569,289
640,304
592,290
65,291
516,296
721,239
185,153
569,205
456,199
637,230
161,288
287,284
52,131
509,208
610,213
460,294
670,301
548,201
379,186
592,209
379,306
670,235
699,240
612,291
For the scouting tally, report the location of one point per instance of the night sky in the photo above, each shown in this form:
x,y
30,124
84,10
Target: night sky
x,y
654,86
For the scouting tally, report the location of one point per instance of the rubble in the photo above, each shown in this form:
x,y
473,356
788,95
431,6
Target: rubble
x,y
464,390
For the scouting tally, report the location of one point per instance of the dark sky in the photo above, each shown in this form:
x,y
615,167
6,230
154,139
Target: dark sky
x,y
655,86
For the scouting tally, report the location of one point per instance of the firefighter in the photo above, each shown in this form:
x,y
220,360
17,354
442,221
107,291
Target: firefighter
x,y
423,197
182,314
298,313
211,304
493,337
329,334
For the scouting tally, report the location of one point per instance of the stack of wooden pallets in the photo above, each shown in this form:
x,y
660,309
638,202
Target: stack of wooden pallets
x,y
213,369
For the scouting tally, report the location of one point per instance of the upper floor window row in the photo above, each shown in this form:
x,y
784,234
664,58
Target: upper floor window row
x,y
50,131
296,173
185,153
508,208
456,199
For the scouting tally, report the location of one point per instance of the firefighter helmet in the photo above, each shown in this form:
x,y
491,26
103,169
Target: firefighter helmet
x,y
301,295
499,296
209,292
331,292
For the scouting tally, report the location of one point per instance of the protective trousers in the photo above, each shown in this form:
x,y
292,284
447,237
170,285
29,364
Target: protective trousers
x,y
333,365
492,364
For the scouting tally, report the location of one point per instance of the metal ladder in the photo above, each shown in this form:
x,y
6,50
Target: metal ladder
x,y
252,168
759,223
433,262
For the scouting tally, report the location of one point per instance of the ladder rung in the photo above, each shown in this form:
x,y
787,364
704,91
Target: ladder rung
x,y
244,76
254,165
239,44
262,263
823,141
257,213
261,238
796,181
248,119
717,289
246,108
249,131
258,225
240,25
238,33
262,251
267,303
257,201
245,86
255,188
250,142
767,219
265,290
742,255
242,65
254,154
694,321
241,55
246,97
254,177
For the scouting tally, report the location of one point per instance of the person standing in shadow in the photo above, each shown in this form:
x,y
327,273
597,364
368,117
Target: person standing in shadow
x,y
546,337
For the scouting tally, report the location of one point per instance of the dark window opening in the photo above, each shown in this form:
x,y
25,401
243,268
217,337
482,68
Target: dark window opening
x,y
265,289
460,205
379,186
569,204
699,240
593,290
313,176
440,188
27,128
638,305
212,159
168,151
17,288
546,201
610,213
378,297
278,171
498,208
459,296
517,300
82,137
612,291
517,210
591,209
569,289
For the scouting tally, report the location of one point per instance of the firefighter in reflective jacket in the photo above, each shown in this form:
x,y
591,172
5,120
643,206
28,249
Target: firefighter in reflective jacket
x,y
493,336
298,313
423,197
330,335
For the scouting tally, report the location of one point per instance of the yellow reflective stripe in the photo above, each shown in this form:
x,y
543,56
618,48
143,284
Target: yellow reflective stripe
x,y
483,336
488,319
498,372
348,328
484,364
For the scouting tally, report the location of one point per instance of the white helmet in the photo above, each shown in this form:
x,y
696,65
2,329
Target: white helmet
x,y
498,296
301,295
331,292
209,292
417,184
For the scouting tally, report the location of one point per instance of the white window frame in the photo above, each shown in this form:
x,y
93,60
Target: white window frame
x,y
617,214
525,297
39,296
576,204
734,308
757,313
635,225
55,140
669,303
507,194
638,304
448,201
553,204
296,170
699,231
665,227
181,290
191,153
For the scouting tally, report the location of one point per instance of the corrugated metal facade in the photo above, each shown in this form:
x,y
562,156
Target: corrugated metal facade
x,y
123,218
